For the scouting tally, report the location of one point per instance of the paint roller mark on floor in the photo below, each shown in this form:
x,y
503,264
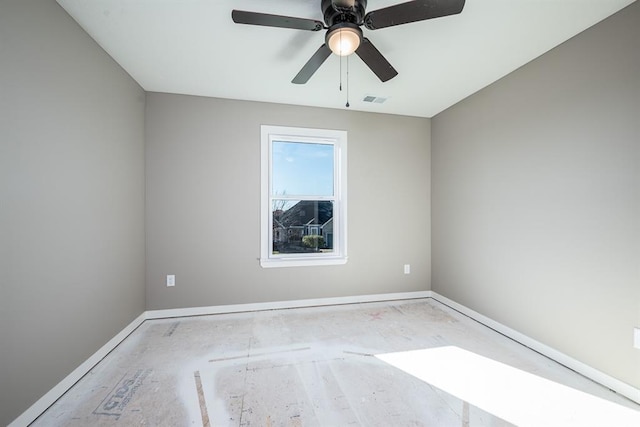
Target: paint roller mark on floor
x,y
394,308
117,400
171,330
377,315
358,354
266,353
203,404
465,414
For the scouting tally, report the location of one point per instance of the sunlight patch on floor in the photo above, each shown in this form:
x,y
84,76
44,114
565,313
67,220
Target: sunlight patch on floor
x,y
516,396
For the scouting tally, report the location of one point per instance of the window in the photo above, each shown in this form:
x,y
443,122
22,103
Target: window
x,y
304,189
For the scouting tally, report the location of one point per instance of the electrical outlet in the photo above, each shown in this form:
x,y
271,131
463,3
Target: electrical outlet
x,y
636,338
171,280
407,269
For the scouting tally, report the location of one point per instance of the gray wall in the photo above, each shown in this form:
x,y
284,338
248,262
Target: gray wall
x,y
71,200
536,198
203,203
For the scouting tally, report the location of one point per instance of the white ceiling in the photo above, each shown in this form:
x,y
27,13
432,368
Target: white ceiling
x,y
193,47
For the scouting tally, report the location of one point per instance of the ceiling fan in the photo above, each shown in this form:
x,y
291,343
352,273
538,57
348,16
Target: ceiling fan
x,y
343,19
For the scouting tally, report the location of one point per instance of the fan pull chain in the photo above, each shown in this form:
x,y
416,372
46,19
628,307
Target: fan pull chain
x,y
340,34
341,74
347,104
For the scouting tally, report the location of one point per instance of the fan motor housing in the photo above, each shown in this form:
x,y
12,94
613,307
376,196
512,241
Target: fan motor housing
x,y
339,11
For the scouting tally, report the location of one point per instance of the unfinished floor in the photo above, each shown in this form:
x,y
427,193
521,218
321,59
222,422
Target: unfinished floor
x,y
331,366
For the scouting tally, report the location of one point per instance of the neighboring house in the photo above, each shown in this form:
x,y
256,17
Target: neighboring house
x,y
326,230
307,217
279,231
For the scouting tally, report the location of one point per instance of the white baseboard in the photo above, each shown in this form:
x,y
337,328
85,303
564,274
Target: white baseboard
x,y
261,306
61,388
598,376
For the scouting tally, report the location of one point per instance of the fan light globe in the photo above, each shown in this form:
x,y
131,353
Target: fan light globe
x,y
344,41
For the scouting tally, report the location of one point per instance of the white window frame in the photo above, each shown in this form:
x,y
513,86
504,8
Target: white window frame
x,y
336,138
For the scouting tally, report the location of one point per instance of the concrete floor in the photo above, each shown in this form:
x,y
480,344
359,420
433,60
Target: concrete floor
x,y
306,367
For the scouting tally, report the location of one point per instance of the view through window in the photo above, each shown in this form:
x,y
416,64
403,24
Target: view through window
x,y
304,188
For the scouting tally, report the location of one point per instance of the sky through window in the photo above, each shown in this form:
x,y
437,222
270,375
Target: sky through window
x,y
302,169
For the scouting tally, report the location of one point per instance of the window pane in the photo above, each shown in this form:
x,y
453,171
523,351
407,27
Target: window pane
x,y
302,226
302,169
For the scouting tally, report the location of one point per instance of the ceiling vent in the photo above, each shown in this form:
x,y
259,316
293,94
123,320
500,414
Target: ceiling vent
x,y
374,99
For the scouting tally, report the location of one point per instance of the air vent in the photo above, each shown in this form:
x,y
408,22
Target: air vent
x,y
374,99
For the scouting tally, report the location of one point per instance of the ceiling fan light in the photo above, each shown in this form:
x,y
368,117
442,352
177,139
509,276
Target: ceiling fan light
x,y
344,41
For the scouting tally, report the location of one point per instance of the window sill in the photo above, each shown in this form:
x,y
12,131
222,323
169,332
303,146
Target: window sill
x,y
301,262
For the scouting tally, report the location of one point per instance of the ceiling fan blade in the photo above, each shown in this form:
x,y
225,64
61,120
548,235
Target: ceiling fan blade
x,y
374,60
312,65
412,11
256,18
